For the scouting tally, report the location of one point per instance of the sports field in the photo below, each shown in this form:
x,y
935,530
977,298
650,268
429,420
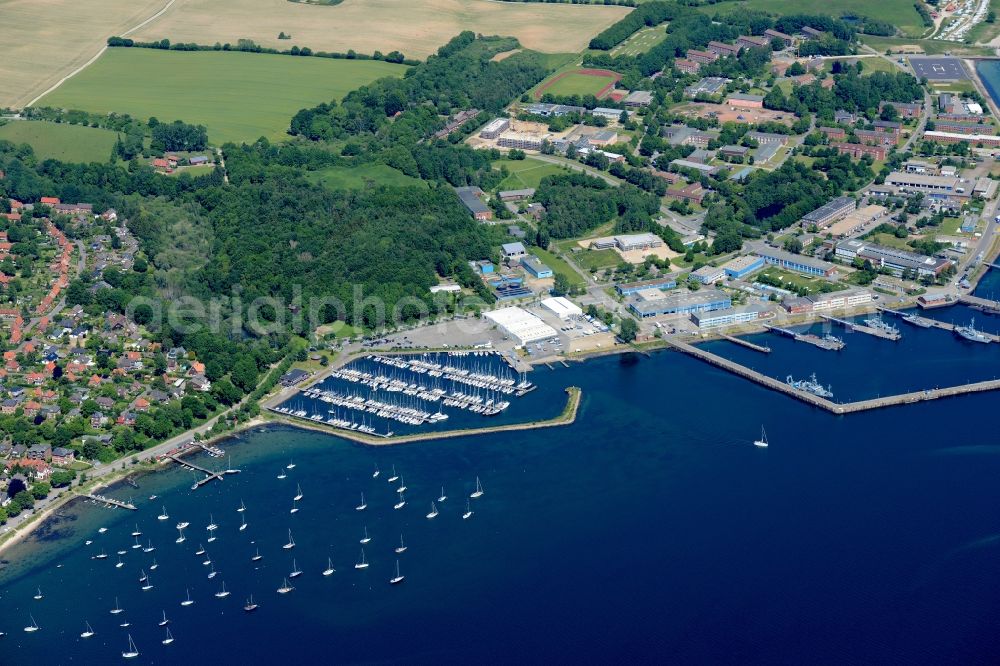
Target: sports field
x,y
69,143
526,173
898,12
237,96
42,41
415,28
641,42
353,178
597,82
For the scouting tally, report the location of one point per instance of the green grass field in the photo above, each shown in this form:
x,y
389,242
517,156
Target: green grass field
x,y
640,42
352,178
929,46
69,143
898,12
558,265
792,280
575,83
525,173
237,96
587,259
198,170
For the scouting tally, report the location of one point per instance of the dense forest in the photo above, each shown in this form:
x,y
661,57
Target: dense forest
x,y
577,203
851,91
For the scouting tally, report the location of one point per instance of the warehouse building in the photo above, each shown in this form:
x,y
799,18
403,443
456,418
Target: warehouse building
x,y
708,274
797,262
534,265
935,186
856,220
729,317
520,325
663,283
829,212
562,307
655,303
740,267
471,198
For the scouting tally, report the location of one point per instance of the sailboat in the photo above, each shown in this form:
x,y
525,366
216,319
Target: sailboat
x,y
250,605
365,539
143,577
38,594
213,573
211,527
223,593
180,535
434,512
295,506
117,609
401,503
394,477
148,585
291,542
201,550
478,492
402,486
442,497
290,465
88,633
762,442
363,564
182,525
298,492
164,515
102,556
285,587
256,556
188,601
468,510
296,572
136,545
401,548
282,475
363,505
376,472
329,567
208,560
137,533
33,627
169,639
398,578
242,507
243,526
120,563
132,651
149,548
102,530
152,567
164,622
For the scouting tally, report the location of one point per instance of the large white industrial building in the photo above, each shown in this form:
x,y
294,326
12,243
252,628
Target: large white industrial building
x,y
562,307
521,325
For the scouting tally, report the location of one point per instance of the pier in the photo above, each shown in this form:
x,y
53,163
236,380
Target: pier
x,y
862,328
925,322
209,474
746,343
826,344
824,403
111,503
981,304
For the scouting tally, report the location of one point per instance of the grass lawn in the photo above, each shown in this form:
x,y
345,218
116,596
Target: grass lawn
x,y
869,65
237,96
575,83
526,173
641,42
950,226
587,259
340,329
889,240
352,178
792,280
953,87
929,46
558,266
69,143
197,170
898,12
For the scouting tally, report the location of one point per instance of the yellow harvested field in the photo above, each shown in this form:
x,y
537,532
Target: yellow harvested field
x,y
44,40
416,29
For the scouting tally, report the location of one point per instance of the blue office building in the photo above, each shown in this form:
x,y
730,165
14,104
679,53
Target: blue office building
x,y
663,283
534,266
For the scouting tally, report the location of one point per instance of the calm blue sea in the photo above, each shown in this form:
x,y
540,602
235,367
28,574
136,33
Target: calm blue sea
x,y
650,530
989,74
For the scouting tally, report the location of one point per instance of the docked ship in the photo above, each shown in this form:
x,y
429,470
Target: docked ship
x,y
809,386
876,322
917,320
971,334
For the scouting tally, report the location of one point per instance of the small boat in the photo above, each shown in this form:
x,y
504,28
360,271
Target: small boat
x,y
88,633
762,442
152,497
38,594
211,527
169,639
164,515
120,563
132,651
400,504
365,539
223,593
329,567
102,530
242,507
122,552
213,573
290,465
182,525
298,492
180,535
137,533
394,477
291,542
398,578
282,475
33,627
401,548
201,550
434,512
295,507
376,472
124,624
363,505
243,526
188,601
148,584
211,538
442,497
149,548
143,577
250,605
478,492
136,545
87,542
285,587
468,511
164,622
152,567
363,564
296,572
402,486
101,556
117,609
256,556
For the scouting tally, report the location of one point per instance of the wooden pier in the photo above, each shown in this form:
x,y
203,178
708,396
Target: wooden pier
x,y
824,403
746,343
209,474
862,328
109,502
